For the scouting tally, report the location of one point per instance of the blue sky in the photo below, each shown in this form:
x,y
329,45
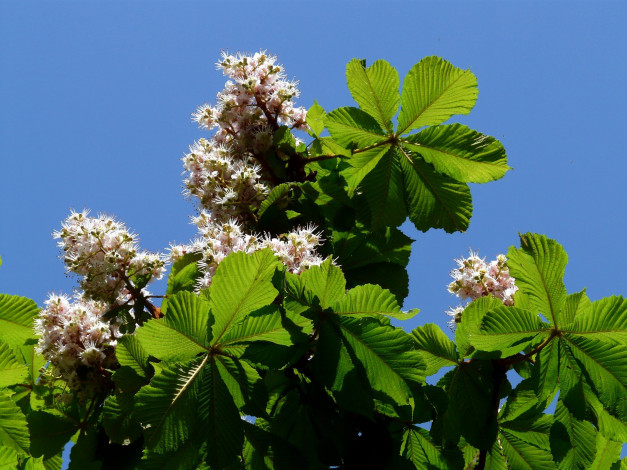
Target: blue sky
x,y
95,99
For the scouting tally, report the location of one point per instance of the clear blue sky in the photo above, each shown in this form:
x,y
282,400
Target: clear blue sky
x,y
95,99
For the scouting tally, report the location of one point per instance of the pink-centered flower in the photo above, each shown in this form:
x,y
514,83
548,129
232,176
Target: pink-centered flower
x,y
474,278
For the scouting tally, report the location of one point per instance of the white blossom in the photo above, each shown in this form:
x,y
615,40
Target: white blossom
x,y
474,278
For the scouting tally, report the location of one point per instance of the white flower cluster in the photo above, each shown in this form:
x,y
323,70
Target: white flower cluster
x,y
258,96
106,255
227,186
258,99
297,249
474,278
79,344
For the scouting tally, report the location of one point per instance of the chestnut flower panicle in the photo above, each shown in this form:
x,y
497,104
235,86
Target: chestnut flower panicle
x,y
222,171
105,254
79,344
226,186
297,249
474,278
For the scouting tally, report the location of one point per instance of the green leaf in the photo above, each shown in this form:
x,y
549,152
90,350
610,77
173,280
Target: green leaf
x,y
371,352
538,267
573,441
434,200
602,365
132,355
418,447
184,274
185,457
469,390
381,198
265,324
83,454
242,284
182,333
435,348
359,247
315,118
523,455
118,419
188,400
49,433
471,322
361,164
433,91
509,330
606,320
16,319
170,404
369,300
277,194
389,276
546,370
608,452
13,426
375,89
12,370
576,304
523,401
225,429
351,127
461,153
264,450
319,286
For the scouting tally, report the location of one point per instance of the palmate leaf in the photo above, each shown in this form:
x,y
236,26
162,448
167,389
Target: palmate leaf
x,y
371,300
315,118
433,91
381,201
434,200
418,447
508,330
608,453
16,319
183,275
182,333
12,370
171,407
242,284
370,352
352,127
605,320
576,304
435,348
538,267
573,441
378,257
469,391
546,371
375,89
461,153
523,455
49,433
13,426
602,365
266,451
265,324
